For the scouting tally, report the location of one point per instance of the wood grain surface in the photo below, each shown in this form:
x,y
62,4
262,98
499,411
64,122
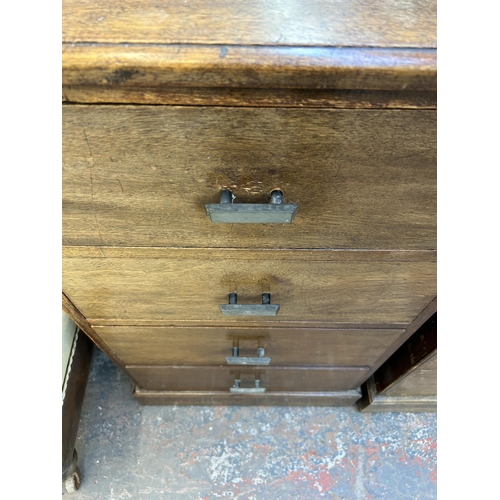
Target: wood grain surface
x,y
249,67
141,176
349,23
210,346
221,378
318,254
191,289
223,96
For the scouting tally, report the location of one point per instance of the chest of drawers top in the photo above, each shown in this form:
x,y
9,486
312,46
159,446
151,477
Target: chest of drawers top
x,y
111,48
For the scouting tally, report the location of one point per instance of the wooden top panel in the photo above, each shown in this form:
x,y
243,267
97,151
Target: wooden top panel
x,y
220,66
341,23
272,44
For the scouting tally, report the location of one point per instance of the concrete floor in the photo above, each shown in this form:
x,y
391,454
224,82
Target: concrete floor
x,y
145,452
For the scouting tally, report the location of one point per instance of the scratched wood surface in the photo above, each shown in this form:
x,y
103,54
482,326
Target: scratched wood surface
x,y
141,176
191,289
350,23
210,346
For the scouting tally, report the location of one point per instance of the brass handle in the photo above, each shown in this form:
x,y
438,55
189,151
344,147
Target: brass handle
x,y
275,212
236,359
264,309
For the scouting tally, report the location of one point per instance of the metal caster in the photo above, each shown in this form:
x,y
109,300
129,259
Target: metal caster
x,y
72,477
72,482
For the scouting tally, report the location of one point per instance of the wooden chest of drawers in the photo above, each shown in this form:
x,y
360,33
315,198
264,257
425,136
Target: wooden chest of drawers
x,y
312,127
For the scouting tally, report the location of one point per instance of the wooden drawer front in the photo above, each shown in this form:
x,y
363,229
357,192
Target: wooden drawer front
x,y
211,346
208,378
141,176
190,285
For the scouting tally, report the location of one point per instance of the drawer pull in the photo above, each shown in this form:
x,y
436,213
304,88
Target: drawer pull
x,y
237,389
274,212
264,309
236,359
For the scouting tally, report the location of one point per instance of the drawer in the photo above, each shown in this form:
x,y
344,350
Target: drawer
x,y
211,346
166,285
142,175
272,379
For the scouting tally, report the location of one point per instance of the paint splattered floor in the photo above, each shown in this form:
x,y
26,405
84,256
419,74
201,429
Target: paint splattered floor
x,y
145,452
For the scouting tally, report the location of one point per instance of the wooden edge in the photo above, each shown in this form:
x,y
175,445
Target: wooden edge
x,y
326,255
219,398
70,309
422,317
408,404
408,357
317,325
137,65
262,98
256,329
252,368
371,402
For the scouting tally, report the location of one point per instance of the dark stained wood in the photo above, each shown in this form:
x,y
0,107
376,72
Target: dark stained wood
x,y
210,346
407,381
192,288
348,23
221,96
371,402
363,179
73,398
249,67
421,345
221,378
207,398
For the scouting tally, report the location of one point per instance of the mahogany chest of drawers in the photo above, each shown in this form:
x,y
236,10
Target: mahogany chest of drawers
x,y
249,192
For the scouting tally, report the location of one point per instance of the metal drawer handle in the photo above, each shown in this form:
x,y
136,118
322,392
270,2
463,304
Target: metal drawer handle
x,y
236,359
275,212
237,389
264,309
